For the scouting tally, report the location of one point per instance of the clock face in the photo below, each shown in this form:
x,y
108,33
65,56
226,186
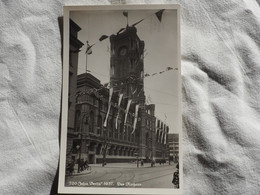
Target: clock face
x,y
123,51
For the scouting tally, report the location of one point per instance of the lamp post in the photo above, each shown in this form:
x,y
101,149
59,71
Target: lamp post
x,y
79,147
105,150
79,153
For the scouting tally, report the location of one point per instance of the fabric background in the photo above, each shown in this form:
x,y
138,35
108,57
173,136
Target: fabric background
x,y
221,101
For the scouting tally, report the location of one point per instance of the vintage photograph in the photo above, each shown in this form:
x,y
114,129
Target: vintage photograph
x,y
121,110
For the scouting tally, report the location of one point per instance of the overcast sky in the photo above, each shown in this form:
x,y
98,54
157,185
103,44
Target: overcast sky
x,y
161,52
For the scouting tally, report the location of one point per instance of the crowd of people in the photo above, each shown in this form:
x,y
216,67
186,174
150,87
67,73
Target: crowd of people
x,y
82,165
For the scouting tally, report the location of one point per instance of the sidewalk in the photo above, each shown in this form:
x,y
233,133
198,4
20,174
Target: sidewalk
x,y
131,165
86,171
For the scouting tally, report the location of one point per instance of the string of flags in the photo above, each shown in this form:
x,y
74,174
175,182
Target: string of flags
x,y
142,75
158,14
122,84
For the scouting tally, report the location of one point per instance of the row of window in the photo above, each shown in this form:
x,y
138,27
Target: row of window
x,y
104,107
122,133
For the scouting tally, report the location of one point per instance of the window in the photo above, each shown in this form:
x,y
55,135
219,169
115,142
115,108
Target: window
x,y
99,124
129,134
77,120
122,131
157,136
125,134
91,122
147,139
111,128
132,64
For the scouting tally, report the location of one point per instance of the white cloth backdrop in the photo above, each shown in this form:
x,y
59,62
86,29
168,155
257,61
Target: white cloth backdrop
x,y
221,101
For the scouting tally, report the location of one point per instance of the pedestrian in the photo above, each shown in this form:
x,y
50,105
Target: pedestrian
x,y
142,162
160,161
81,165
175,179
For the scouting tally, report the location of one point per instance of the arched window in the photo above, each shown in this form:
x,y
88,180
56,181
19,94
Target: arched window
x,y
122,131
116,132
129,134
132,136
77,121
125,134
93,98
157,136
136,137
91,121
147,139
99,124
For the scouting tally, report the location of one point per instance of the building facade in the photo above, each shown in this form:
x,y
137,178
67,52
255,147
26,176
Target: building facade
x,y
74,48
173,145
117,125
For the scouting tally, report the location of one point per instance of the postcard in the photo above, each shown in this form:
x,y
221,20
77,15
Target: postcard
x,y
121,130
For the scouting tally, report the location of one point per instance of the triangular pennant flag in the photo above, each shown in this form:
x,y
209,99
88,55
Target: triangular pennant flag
x,y
137,22
159,14
103,37
120,30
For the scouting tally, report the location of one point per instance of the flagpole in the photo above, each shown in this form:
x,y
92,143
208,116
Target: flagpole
x,y
86,61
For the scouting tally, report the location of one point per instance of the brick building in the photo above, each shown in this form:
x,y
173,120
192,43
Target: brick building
x,y
108,130
74,48
173,145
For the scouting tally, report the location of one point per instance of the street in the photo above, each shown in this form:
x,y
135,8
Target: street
x,y
125,175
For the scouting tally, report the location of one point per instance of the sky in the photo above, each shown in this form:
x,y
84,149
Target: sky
x,y
160,52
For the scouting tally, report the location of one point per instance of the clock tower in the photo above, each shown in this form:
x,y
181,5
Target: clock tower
x,y
126,64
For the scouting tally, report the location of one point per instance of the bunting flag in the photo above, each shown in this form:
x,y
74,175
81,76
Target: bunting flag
x,y
89,50
136,117
169,68
103,37
125,13
119,103
106,85
109,105
159,14
127,110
